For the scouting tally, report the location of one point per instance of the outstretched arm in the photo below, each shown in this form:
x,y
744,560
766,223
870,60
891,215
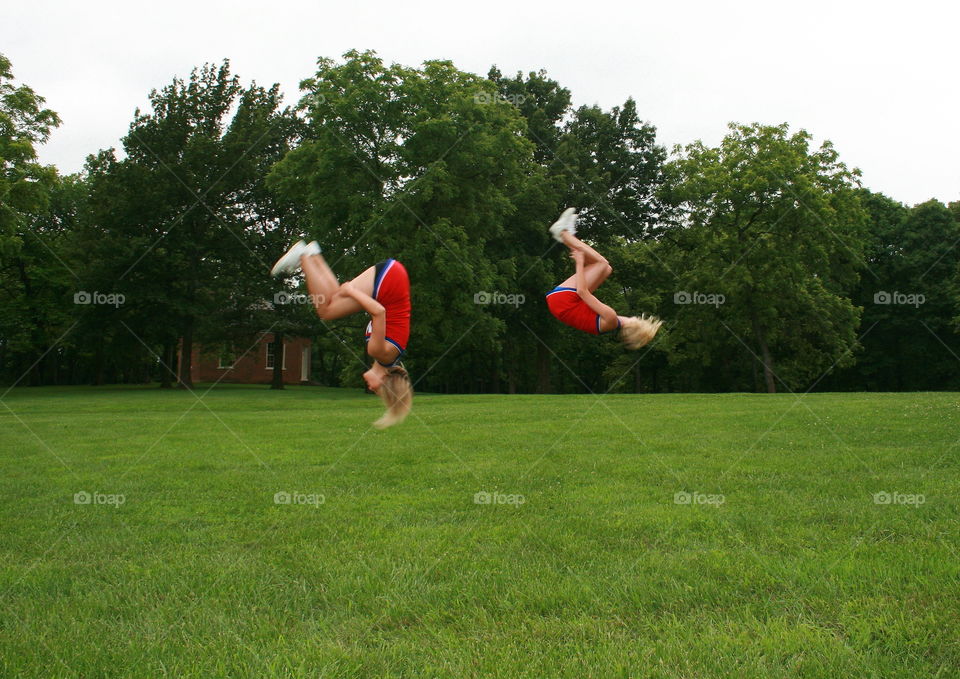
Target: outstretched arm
x,y
606,313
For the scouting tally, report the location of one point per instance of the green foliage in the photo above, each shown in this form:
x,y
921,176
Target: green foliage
x,y
777,230
908,291
183,225
37,286
613,168
34,215
24,183
609,166
458,176
430,167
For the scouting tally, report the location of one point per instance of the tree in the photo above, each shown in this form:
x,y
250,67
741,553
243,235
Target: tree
x,y
606,163
26,328
614,168
908,294
38,284
425,165
542,102
24,183
530,332
767,237
179,225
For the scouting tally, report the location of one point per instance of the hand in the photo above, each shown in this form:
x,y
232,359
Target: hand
x,y
346,288
577,256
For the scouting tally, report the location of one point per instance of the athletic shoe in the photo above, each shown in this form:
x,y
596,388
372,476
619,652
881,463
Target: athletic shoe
x,y
290,262
566,222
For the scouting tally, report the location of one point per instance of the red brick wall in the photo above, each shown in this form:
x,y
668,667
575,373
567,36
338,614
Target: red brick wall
x,y
251,368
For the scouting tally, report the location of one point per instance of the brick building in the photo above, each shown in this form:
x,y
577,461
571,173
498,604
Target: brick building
x,y
254,367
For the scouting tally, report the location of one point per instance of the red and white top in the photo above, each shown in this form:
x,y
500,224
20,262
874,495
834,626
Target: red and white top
x,y
569,308
391,288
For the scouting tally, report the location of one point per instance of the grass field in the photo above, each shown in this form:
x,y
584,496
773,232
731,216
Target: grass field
x,y
274,534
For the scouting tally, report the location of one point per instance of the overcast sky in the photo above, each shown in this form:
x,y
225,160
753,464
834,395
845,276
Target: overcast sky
x,y
879,79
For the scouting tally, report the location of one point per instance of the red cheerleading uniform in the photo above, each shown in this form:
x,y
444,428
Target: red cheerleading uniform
x,y
570,309
391,287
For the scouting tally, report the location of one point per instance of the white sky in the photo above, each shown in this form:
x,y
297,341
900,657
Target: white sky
x,y
879,79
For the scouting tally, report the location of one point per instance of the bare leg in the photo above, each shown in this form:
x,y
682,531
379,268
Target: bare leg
x,y
595,274
596,268
575,243
321,281
328,300
341,305
344,305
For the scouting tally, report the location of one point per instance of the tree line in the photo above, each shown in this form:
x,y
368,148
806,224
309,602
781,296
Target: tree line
x,y
773,267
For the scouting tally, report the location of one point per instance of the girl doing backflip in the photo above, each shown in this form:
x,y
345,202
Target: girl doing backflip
x,y
573,301
383,292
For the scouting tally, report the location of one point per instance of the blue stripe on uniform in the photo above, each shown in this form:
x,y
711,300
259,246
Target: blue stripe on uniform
x,y
608,331
399,355
381,276
397,345
560,289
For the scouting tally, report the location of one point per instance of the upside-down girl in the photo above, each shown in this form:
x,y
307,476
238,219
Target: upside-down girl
x,y
383,292
573,302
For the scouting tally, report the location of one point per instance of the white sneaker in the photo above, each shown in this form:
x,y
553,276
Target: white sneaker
x,y
566,222
572,222
290,262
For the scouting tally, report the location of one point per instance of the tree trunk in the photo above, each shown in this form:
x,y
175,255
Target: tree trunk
x,y
543,369
35,379
184,379
185,374
167,364
510,354
277,382
98,365
334,372
766,357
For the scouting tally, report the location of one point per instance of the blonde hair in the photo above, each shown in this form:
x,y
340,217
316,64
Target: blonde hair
x,y
637,331
396,392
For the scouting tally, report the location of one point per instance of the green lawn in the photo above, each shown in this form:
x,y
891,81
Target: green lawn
x,y
629,536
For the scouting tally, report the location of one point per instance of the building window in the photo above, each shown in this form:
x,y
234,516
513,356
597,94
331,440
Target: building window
x,y
227,358
271,357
